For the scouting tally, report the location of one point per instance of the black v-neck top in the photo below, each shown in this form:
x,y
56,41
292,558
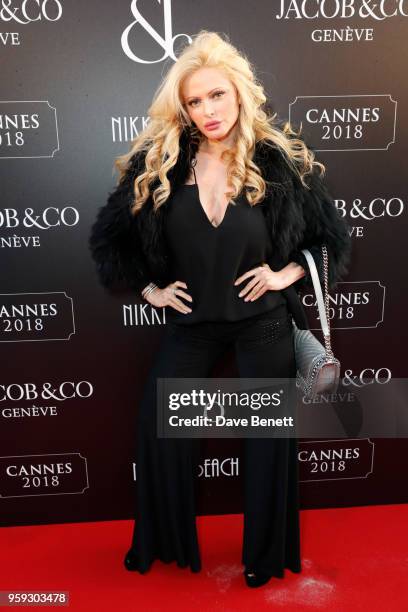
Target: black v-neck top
x,y
209,259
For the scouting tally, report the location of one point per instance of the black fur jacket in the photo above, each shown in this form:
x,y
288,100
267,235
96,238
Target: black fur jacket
x,y
130,251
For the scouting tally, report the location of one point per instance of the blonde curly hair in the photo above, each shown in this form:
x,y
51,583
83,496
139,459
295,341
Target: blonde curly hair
x,y
168,117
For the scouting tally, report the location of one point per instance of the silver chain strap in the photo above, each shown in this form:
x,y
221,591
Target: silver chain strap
x,y
327,340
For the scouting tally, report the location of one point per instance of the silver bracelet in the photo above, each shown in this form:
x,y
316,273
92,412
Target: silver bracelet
x,y
151,287
147,287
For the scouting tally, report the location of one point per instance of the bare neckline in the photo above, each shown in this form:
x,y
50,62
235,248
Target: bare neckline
x,y
202,207
195,184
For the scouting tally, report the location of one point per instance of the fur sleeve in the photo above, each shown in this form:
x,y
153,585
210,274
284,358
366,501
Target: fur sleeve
x,y
323,224
114,239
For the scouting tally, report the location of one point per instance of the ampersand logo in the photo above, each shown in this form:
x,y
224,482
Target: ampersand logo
x,y
166,43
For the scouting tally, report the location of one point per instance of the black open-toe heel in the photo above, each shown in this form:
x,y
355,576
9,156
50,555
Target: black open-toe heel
x,y
256,579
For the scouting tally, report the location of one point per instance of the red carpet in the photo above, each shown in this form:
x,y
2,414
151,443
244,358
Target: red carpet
x,y
353,559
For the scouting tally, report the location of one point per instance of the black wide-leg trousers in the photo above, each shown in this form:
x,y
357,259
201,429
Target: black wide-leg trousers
x,y
166,468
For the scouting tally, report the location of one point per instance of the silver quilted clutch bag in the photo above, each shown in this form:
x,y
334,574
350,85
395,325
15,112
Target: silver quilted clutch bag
x,y
318,371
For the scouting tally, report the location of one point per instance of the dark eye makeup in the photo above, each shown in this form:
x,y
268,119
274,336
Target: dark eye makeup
x,y
214,94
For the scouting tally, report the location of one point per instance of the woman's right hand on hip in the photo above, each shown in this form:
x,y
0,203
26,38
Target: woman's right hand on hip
x,y
168,296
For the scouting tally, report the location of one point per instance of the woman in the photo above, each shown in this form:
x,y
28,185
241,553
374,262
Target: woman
x,y
214,204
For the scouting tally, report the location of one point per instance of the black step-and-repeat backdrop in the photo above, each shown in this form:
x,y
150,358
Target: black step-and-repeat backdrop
x,y
77,78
